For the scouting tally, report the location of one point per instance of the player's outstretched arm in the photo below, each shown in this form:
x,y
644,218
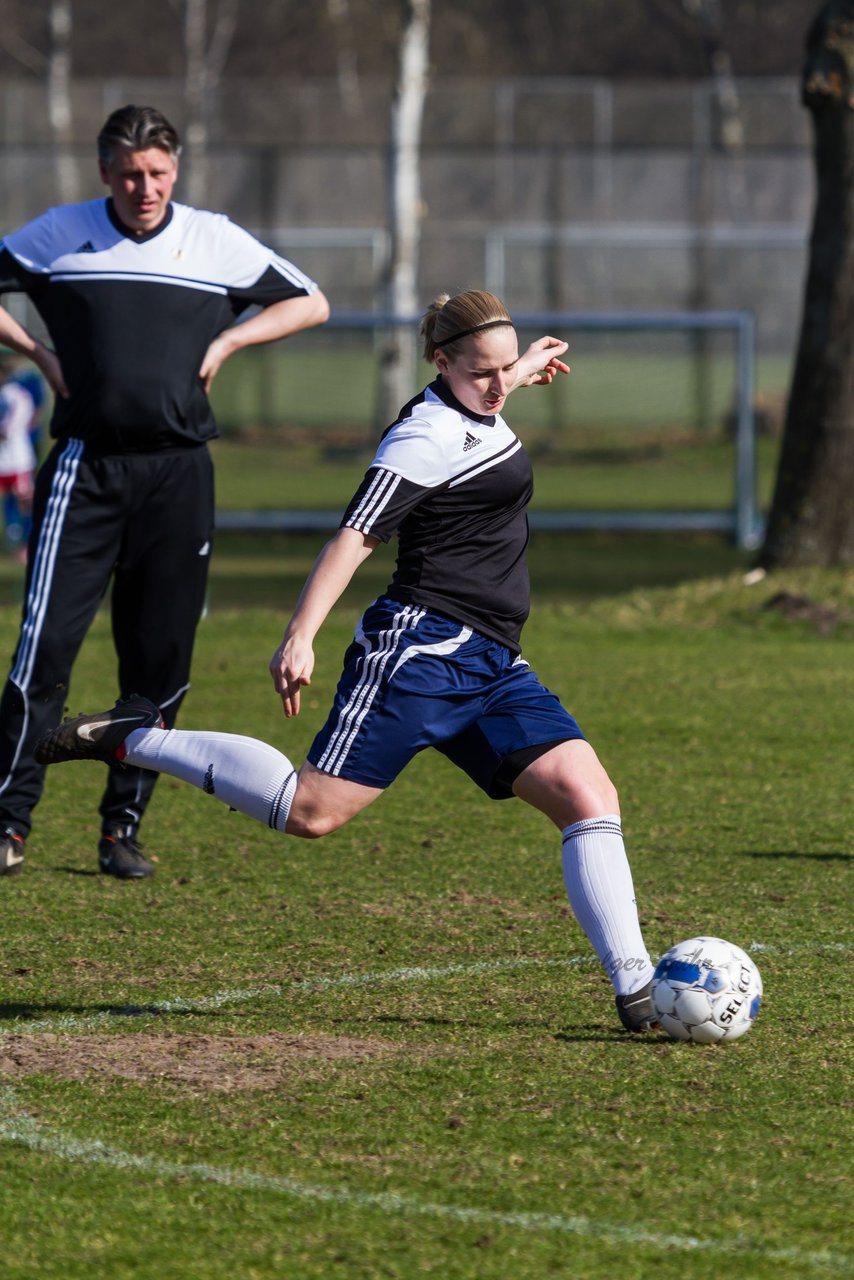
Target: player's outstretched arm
x,y
14,335
293,662
279,320
541,362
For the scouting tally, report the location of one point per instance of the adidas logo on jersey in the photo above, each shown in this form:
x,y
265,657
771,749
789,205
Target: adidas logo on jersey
x,y
471,442
86,247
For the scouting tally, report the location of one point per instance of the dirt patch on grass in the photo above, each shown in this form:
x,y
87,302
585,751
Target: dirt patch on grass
x,y
199,1062
825,618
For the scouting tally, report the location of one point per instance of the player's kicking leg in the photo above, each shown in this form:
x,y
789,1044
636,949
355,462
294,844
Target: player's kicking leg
x,y
100,736
244,773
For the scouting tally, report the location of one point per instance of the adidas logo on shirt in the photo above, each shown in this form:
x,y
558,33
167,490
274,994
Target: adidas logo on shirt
x,y
471,442
86,247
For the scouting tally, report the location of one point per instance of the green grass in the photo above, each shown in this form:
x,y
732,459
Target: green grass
x,y
264,473
257,569
463,1105
252,570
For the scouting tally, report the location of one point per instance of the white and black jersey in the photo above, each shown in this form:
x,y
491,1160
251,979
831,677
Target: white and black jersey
x,y
131,317
455,487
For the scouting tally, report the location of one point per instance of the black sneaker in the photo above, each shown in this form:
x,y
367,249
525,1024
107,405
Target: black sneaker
x,y
12,848
119,855
636,1011
98,737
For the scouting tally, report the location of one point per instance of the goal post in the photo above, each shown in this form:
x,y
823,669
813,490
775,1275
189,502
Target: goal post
x,y
741,519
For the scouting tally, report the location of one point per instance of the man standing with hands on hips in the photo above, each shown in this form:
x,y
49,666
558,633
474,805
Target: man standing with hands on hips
x,y
139,295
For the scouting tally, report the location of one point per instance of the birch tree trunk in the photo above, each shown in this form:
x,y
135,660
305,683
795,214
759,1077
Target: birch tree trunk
x,y
812,513
59,99
399,360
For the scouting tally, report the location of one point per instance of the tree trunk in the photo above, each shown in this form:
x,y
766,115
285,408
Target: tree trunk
x,y
59,99
405,205
812,513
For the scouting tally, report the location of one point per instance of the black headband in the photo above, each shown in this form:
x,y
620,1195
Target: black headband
x,y
478,328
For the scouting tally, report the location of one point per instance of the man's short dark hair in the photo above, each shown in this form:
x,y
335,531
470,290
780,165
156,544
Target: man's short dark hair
x,y
138,129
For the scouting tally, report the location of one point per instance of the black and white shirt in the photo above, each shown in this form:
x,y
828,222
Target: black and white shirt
x,y
131,317
455,487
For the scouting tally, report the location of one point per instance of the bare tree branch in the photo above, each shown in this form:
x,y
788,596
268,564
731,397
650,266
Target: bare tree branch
x,y
221,38
346,56
22,51
204,63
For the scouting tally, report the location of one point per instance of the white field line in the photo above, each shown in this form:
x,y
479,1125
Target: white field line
x,y
22,1130
798,948
244,995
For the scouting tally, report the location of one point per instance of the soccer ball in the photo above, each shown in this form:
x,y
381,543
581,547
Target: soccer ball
x,y
706,990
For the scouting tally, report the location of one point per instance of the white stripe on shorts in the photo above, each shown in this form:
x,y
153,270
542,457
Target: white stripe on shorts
x,y
359,703
439,649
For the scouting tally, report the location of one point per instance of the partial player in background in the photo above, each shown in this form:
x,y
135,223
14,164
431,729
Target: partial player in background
x,y
139,295
436,661
31,381
17,456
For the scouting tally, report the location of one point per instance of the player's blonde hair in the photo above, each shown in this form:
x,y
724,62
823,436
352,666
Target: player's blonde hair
x,y
450,319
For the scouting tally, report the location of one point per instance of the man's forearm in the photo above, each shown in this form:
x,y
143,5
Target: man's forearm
x,y
279,320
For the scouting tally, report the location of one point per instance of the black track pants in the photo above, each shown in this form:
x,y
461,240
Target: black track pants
x,y
147,521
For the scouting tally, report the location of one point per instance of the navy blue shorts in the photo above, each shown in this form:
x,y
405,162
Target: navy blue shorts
x,y
415,679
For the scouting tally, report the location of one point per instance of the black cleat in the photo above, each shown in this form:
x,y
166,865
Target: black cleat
x,y
12,847
636,1011
119,855
98,737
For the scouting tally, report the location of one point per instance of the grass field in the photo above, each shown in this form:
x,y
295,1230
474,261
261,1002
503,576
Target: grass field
x,y
329,379
266,473
390,1054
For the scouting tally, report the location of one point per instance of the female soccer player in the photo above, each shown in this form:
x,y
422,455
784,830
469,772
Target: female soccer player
x,y
436,660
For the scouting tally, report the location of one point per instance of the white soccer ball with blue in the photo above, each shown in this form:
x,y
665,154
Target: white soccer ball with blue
x,y
706,990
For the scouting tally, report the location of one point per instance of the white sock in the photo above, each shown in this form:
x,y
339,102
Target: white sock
x,y
599,885
246,774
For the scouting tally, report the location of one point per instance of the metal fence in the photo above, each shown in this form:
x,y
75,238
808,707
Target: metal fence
x,y
563,193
